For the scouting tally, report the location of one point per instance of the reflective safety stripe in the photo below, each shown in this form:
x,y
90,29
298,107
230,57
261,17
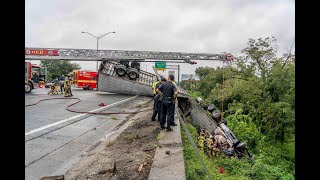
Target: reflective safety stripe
x,y
154,87
87,81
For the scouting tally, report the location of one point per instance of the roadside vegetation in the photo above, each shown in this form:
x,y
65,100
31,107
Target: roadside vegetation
x,y
259,106
57,68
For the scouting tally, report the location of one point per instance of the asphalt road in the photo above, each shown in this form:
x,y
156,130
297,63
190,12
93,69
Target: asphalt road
x,y
55,138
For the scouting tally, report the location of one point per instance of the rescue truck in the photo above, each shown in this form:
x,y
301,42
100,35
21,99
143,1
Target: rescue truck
x,y
35,76
84,79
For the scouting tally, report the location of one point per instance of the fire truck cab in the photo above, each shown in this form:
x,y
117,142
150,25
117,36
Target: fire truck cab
x,y
35,76
85,79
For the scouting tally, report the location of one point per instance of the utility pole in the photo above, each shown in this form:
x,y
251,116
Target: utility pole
x,y
98,37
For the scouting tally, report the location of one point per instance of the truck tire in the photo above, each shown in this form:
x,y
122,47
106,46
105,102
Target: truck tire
x,y
133,75
211,107
121,70
27,87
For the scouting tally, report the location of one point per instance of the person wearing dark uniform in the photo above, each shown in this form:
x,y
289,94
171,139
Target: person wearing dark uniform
x,y
61,84
169,93
157,101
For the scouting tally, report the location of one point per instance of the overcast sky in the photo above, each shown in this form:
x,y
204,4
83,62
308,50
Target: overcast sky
x,y
208,26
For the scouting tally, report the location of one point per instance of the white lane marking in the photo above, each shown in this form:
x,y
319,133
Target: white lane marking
x,y
65,120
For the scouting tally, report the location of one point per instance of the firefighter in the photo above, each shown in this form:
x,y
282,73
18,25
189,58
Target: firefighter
x,y
220,141
70,82
67,87
201,140
209,147
206,136
157,101
169,93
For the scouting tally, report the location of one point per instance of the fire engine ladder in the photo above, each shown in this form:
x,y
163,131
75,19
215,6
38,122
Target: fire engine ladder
x,y
101,55
108,80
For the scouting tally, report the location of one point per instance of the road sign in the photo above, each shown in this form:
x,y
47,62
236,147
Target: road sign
x,y
160,65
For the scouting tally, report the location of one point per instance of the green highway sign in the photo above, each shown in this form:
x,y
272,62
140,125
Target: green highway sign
x,y
160,65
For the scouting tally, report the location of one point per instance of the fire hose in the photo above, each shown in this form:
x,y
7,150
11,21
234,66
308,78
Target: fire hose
x,y
82,112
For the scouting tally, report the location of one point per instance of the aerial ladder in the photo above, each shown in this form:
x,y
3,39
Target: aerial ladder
x,y
115,74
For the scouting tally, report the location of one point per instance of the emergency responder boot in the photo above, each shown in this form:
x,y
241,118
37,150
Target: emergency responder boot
x,y
173,124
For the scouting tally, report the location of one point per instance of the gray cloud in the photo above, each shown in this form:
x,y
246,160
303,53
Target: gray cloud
x,y
208,26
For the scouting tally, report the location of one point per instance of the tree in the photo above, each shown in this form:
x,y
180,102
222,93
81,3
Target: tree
x,y
56,68
259,54
202,72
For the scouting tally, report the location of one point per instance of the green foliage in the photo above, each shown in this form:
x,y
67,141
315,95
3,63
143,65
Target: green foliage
x,y
259,106
202,72
245,129
57,68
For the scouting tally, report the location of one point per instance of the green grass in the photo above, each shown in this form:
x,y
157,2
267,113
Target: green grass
x,y
159,136
114,118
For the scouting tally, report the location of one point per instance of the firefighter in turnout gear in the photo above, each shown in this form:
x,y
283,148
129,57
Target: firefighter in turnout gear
x,y
67,87
201,140
209,147
206,136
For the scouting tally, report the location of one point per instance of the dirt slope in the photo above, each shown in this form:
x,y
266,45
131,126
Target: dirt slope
x,y
133,150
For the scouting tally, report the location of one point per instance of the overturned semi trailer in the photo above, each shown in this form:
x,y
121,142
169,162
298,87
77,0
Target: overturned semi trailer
x,y
110,81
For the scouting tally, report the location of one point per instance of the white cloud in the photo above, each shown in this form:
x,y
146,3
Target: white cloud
x,y
208,26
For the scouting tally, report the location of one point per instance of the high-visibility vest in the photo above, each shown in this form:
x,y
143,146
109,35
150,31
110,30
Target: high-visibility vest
x,y
154,87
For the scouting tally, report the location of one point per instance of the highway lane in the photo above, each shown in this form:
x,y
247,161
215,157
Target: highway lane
x,y
61,146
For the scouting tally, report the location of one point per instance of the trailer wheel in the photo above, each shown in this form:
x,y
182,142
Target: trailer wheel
x,y
133,75
27,87
121,71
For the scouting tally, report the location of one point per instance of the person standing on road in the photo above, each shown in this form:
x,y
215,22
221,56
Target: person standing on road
x,y
60,83
157,101
70,82
154,92
167,106
67,87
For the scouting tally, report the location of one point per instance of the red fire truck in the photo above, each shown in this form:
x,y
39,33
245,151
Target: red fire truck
x,y
85,79
35,76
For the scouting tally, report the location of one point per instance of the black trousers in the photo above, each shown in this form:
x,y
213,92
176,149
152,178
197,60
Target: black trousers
x,y
167,108
156,108
61,88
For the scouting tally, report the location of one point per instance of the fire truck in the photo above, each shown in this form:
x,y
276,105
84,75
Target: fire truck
x,y
85,79
35,76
